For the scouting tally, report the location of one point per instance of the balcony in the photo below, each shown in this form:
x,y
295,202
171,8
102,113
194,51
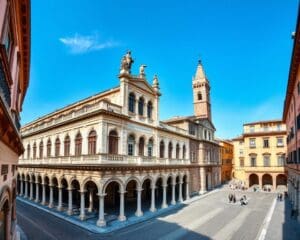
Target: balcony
x,y
5,80
104,159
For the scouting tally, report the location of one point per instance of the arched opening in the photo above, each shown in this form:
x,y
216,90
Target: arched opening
x,y
199,95
19,184
91,198
183,152
267,181
78,144
161,149
177,151
141,146
158,193
253,180
141,106
113,142
34,150
112,201
47,189
33,186
28,151
92,142
146,195
67,143
281,181
131,198
75,196
39,185
131,102
130,145
49,148
54,184
149,109
170,150
185,192
65,196
169,190
177,188
41,150
4,219
57,147
150,147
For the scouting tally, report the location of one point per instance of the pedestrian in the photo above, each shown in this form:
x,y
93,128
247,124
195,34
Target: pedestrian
x,y
234,198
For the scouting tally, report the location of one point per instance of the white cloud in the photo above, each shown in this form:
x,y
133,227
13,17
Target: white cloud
x,y
82,44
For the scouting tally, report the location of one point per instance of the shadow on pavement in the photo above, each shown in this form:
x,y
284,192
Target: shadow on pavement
x,y
290,227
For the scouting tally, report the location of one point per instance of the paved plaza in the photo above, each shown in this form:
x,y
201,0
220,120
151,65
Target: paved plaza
x,y
211,217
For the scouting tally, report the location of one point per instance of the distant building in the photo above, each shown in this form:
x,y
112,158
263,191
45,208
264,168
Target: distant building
x,y
14,78
259,155
109,152
226,151
291,116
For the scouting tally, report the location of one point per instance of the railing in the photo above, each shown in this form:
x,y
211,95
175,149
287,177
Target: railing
x,y
88,108
104,159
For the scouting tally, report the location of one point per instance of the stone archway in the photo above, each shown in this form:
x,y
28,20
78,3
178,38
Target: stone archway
x,y
91,197
267,181
169,190
281,182
146,195
159,193
112,201
253,179
131,197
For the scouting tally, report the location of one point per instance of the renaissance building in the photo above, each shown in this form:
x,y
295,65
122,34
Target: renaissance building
x,y
259,155
14,80
109,155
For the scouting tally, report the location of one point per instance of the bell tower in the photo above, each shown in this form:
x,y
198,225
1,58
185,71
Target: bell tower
x,y
201,94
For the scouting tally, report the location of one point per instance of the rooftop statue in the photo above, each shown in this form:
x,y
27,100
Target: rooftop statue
x,y
126,63
142,70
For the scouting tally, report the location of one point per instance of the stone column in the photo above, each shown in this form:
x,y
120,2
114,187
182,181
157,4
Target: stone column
x,y
21,187
260,181
180,192
122,216
31,190
101,221
51,197
139,212
173,202
26,189
44,194
164,203
70,201
91,205
187,191
202,180
82,206
37,188
59,206
152,207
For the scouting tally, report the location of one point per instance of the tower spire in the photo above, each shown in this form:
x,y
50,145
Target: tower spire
x,y
201,93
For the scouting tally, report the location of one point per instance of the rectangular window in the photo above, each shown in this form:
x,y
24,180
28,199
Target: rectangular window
x,y
252,143
280,142
280,160
266,161
252,161
130,149
4,169
298,88
278,127
252,130
266,143
241,152
266,128
241,162
191,128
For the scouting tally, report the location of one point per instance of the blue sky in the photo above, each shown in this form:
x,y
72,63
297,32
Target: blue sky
x,y
245,47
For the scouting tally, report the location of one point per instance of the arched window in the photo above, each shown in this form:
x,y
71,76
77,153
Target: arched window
x,y
131,142
170,150
141,146
78,144
183,152
141,106
41,153
131,102
199,96
177,150
92,142
34,151
57,147
113,142
150,147
149,109
161,149
49,148
28,151
67,146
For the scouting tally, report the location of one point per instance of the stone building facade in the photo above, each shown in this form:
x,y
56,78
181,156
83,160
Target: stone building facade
x,y
14,78
111,156
226,151
291,116
259,155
